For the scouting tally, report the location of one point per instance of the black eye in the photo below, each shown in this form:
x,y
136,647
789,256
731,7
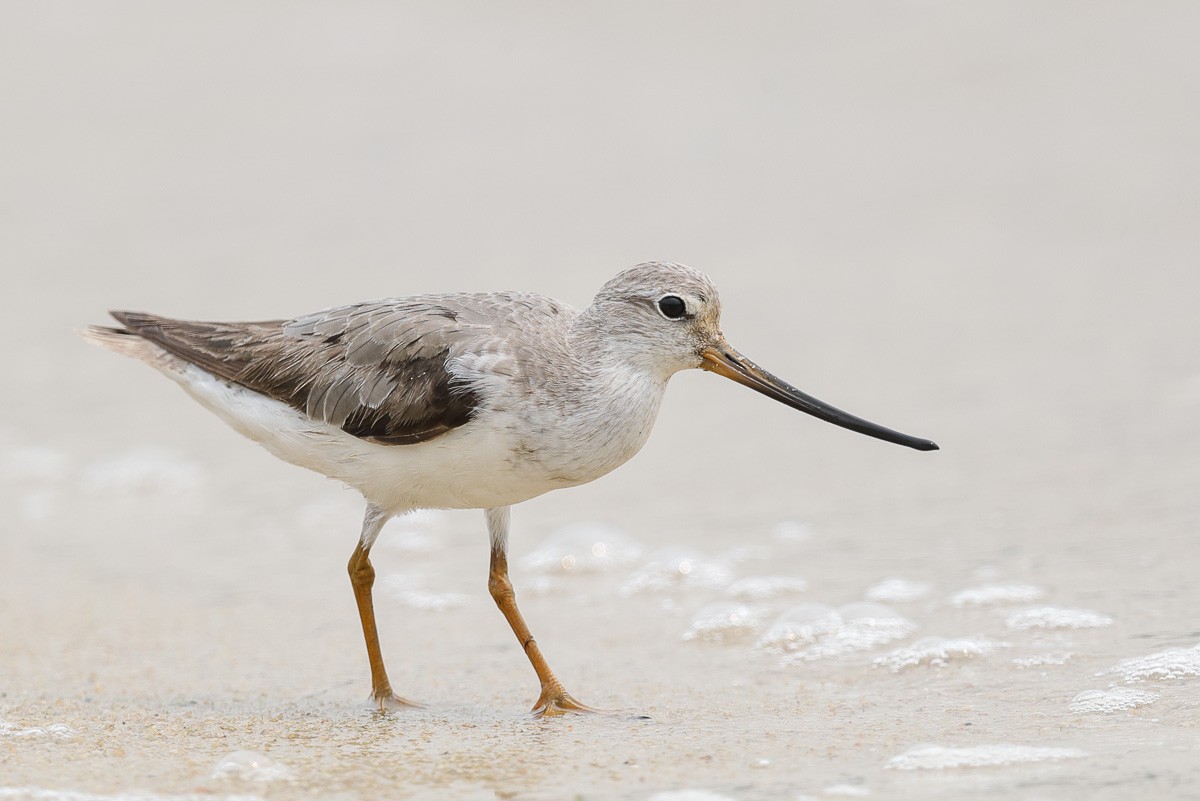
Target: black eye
x,y
672,306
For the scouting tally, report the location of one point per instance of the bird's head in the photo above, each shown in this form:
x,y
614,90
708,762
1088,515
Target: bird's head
x,y
666,317
658,315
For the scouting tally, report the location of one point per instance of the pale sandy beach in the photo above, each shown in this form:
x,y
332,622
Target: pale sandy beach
x,y
971,222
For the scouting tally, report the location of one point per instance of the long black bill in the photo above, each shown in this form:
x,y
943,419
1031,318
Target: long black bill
x,y
728,362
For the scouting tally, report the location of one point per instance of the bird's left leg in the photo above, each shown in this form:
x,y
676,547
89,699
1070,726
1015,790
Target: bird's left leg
x,y
362,577
554,700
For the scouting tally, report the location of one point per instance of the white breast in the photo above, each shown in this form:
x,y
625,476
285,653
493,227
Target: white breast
x,y
597,431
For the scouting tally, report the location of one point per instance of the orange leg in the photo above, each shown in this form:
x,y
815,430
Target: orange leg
x,y
554,700
362,577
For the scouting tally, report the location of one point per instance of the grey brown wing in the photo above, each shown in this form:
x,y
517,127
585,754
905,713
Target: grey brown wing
x,y
378,371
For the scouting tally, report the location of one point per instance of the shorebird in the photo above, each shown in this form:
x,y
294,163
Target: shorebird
x,y
461,401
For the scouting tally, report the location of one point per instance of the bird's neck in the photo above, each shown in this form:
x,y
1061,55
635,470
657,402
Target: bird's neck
x,y
595,345
605,405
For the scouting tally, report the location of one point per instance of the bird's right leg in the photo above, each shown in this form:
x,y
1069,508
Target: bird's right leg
x,y
554,699
362,577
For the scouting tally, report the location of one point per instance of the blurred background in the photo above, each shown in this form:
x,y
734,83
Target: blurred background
x,y
902,201
976,223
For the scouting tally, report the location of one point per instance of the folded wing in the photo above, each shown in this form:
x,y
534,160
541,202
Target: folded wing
x,y
376,370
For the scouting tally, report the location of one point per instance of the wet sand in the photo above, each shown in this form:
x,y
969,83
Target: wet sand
x,y
975,224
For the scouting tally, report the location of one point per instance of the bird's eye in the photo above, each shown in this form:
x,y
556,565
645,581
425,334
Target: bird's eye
x,y
672,306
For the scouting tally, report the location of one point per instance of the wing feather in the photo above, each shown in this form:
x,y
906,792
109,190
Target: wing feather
x,y
377,370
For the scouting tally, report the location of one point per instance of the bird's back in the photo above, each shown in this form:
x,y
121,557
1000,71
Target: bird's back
x,y
383,371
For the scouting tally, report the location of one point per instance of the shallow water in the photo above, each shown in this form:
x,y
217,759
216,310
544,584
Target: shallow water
x,y
973,223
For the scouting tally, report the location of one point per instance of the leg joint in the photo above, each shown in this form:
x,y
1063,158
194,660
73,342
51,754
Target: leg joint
x,y
362,572
499,586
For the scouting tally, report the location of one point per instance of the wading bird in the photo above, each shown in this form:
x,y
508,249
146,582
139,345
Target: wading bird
x,y
461,401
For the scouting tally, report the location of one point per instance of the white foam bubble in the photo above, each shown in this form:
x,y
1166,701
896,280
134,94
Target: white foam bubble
x,y
814,631
583,548
1043,660
1054,617
847,790
937,652
60,731
249,766
143,472
1174,663
409,591
799,626
674,569
724,622
1117,699
898,590
757,588
940,757
994,594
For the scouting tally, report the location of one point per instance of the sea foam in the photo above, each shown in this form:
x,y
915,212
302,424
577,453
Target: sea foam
x,y
940,757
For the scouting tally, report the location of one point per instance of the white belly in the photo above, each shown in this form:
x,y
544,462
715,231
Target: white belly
x,y
489,462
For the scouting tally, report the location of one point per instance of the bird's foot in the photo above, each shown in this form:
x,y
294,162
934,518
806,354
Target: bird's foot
x,y
386,700
555,701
